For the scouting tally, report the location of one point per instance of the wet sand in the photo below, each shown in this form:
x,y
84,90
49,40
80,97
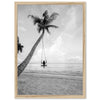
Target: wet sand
x,y
50,83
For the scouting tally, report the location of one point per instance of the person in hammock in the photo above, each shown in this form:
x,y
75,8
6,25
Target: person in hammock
x,y
44,62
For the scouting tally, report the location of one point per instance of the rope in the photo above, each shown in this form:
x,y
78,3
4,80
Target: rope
x,y
43,56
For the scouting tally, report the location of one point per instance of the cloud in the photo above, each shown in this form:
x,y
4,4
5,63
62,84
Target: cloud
x,y
54,53
57,53
21,28
75,59
56,47
65,43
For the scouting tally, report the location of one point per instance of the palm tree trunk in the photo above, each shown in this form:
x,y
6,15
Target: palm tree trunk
x,y
23,65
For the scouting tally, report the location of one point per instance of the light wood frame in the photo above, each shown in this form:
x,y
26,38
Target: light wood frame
x,y
84,51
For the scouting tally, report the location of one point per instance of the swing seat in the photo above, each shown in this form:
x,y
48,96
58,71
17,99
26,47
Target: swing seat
x,y
43,65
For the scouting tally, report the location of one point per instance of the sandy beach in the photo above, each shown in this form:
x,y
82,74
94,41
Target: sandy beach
x,y
50,83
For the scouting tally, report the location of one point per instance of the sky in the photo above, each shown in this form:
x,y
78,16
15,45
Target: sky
x,y
64,44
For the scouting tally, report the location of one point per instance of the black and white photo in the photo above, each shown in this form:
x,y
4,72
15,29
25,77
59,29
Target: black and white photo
x,y
50,49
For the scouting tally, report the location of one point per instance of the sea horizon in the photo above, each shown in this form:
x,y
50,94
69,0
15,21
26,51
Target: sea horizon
x,y
59,67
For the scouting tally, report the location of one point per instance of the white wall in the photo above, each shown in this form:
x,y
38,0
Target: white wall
x,y
7,49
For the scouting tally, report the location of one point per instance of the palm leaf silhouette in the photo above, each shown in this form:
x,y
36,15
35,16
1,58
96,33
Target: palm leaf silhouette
x,y
52,17
35,19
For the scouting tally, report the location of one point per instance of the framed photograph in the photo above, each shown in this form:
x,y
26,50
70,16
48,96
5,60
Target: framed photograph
x,y
50,50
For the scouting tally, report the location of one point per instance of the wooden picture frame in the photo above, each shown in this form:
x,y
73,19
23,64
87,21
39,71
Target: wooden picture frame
x,y
84,50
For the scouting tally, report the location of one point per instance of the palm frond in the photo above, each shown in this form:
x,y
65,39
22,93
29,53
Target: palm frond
x,y
47,30
17,39
53,26
35,19
52,17
39,29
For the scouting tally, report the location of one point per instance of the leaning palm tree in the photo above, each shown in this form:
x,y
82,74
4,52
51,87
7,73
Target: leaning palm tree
x,y
42,25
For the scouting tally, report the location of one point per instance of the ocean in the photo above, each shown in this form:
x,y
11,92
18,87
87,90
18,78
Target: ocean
x,y
73,67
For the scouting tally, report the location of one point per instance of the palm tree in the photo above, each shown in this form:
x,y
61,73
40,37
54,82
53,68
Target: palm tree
x,y
42,25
